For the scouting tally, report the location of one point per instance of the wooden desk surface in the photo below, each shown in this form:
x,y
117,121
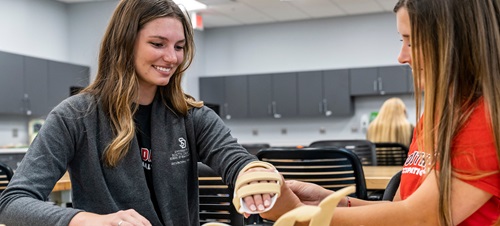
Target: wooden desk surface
x,y
377,177
64,184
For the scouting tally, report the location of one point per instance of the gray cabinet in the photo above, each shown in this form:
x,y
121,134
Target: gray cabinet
x,y
337,98
61,77
36,86
310,96
272,95
32,86
379,80
11,83
324,93
230,93
259,96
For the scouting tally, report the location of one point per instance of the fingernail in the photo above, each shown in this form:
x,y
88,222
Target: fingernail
x,y
267,203
253,208
261,207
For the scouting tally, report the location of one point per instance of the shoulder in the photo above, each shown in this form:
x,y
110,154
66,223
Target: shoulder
x,y
77,105
202,112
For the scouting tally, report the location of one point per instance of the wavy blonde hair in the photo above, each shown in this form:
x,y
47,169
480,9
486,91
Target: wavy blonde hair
x,y
391,124
116,84
459,41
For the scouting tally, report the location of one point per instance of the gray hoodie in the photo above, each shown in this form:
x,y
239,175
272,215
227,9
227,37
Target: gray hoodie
x,y
73,138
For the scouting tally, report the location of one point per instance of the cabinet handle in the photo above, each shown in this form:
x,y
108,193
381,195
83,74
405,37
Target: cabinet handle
x,y
375,85
320,104
27,104
275,114
226,108
325,106
382,92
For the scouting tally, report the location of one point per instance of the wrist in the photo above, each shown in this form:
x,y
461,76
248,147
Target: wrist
x,y
346,202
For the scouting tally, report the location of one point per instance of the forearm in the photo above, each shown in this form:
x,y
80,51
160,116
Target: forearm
x,y
358,202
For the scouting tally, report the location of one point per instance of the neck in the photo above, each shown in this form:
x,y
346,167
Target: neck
x,y
146,96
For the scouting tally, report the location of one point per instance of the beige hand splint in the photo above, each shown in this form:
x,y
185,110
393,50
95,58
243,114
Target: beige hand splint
x,y
214,224
244,189
320,215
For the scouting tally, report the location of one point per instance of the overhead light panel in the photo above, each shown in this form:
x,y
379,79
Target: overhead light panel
x,y
191,5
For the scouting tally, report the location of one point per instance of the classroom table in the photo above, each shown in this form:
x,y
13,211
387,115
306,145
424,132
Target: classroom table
x,y
377,177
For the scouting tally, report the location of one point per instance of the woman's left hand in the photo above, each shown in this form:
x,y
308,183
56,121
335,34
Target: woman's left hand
x,y
259,202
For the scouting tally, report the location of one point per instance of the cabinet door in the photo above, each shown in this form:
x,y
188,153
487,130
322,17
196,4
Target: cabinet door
x,y
236,97
62,76
310,93
259,96
337,98
212,92
363,81
392,80
35,86
284,91
11,84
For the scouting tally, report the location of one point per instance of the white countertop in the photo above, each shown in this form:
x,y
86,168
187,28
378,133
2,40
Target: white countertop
x,y
13,150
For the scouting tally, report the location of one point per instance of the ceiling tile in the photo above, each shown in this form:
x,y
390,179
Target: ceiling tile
x,y
388,5
241,12
276,9
359,6
318,8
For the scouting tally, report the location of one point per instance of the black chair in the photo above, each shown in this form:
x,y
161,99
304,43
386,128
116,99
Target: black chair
x,y
392,187
364,149
216,199
255,147
6,174
391,154
330,167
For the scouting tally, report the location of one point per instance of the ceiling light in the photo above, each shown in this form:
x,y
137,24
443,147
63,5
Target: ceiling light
x,y
190,5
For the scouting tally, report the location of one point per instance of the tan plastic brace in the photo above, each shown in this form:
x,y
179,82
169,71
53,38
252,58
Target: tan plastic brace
x,y
214,224
320,215
244,189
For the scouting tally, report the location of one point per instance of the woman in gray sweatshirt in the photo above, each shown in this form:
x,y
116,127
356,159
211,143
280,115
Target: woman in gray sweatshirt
x,y
132,139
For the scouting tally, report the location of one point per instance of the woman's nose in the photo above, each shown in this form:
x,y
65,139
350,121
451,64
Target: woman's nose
x,y
405,55
169,56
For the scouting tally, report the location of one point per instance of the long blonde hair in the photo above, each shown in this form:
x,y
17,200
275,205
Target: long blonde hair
x,y
116,84
456,49
391,124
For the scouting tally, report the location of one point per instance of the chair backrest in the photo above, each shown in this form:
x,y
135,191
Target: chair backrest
x,y
391,154
6,174
364,149
216,199
255,147
330,167
392,187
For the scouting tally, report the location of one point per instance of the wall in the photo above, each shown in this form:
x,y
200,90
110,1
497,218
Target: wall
x,y
331,43
36,28
342,42
72,33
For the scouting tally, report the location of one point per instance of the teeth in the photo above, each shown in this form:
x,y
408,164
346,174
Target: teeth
x,y
162,68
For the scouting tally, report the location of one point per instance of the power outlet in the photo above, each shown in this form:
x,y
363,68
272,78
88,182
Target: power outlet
x,y
255,132
284,131
15,133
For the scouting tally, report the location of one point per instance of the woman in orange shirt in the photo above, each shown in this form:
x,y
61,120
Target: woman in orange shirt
x,y
452,174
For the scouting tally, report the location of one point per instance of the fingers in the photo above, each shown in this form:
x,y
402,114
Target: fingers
x,y
131,218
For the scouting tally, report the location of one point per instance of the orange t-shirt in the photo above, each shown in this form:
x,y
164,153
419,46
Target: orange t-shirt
x,y
473,150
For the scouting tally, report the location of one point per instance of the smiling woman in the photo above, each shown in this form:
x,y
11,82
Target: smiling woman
x,y
132,139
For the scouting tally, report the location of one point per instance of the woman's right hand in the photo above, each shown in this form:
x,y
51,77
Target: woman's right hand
x,y
128,217
308,193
